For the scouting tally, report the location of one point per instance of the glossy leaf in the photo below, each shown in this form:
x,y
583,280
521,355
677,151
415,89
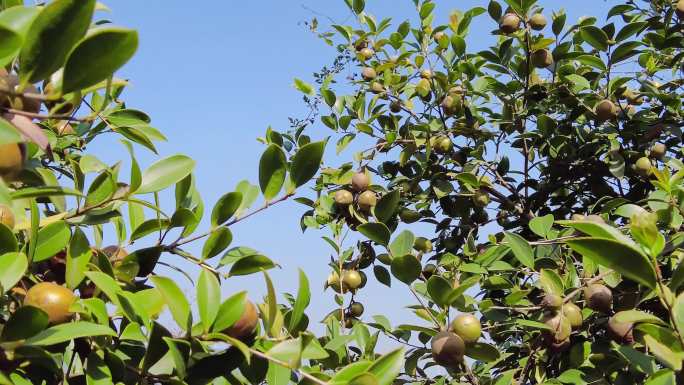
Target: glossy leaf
x,y
305,162
69,331
175,300
208,298
375,231
272,169
165,172
218,240
14,266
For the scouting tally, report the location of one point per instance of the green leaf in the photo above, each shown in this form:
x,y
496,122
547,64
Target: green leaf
x,y
219,240
180,352
375,231
482,352
13,267
302,301
11,43
406,268
52,239
551,282
165,172
69,331
8,242
358,6
440,290
678,312
593,61
43,191
387,206
225,207
208,298
664,354
96,57
148,227
402,244
541,225
623,258
26,322
97,371
304,87
53,33
175,300
230,311
638,316
272,169
521,249
662,377
251,264
387,368
78,257
595,36
305,162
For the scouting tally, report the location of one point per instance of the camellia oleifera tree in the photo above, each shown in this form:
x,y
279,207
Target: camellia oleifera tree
x,y
548,165
75,312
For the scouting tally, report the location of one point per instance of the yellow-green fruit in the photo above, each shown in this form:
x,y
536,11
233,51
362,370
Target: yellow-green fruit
x,y
468,327
510,23
6,216
481,198
552,301
574,315
63,127
360,181
447,349
537,22
438,36
598,297
115,253
245,326
409,216
680,9
560,328
426,74
356,309
423,87
343,198
366,53
643,166
605,110
620,332
351,279
377,88
542,58
443,145
53,299
658,151
11,160
333,281
368,73
367,199
423,245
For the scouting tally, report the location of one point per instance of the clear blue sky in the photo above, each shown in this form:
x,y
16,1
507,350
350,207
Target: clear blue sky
x,y
214,74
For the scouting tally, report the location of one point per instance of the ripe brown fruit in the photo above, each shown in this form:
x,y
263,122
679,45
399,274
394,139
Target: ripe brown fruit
x,y
468,327
360,181
63,127
422,244
658,150
537,22
452,104
598,297
395,107
552,301
481,198
605,110
542,58
343,198
8,85
367,199
574,315
7,216
560,327
620,332
351,279
115,253
643,166
244,327
11,160
559,347
368,73
510,23
356,309
53,299
447,349
679,10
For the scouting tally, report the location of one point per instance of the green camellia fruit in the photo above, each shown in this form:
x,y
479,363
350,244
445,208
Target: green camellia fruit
x,y
423,245
343,198
409,216
560,328
351,279
377,88
368,73
643,166
468,327
443,145
53,299
481,198
447,349
367,199
574,315
356,309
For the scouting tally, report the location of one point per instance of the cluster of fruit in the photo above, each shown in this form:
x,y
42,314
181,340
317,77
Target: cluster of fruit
x,y
365,199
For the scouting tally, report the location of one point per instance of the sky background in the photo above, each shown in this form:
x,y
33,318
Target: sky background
x,y
213,75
